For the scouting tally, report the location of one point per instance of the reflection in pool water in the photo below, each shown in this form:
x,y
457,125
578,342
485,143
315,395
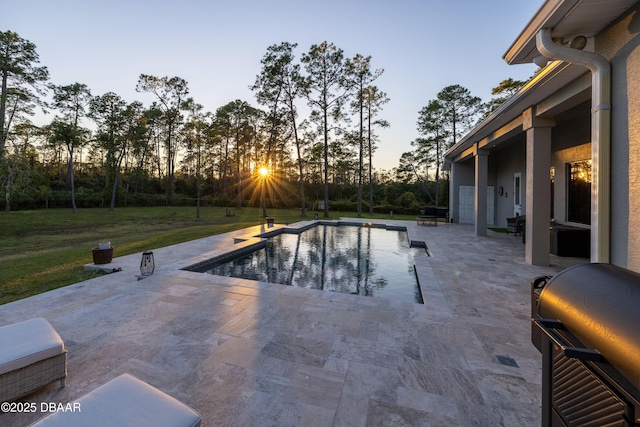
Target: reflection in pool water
x,y
357,260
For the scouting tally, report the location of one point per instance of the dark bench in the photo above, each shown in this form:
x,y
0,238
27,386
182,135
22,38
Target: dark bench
x,y
432,214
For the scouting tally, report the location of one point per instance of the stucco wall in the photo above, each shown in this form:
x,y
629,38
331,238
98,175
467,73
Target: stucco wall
x,y
621,44
502,166
505,163
463,173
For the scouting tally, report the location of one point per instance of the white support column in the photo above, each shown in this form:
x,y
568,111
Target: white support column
x,y
538,194
482,172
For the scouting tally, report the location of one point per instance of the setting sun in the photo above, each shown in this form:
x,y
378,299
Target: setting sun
x,y
263,171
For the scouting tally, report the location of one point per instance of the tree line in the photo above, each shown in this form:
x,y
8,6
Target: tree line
x,y
173,149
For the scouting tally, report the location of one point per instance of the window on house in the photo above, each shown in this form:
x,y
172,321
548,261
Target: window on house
x,y
579,192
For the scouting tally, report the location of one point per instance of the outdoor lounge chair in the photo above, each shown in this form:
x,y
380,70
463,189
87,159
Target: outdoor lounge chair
x,y
32,355
124,401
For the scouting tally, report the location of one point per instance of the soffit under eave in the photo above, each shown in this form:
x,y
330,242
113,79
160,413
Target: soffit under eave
x,y
547,16
570,95
542,86
566,19
504,134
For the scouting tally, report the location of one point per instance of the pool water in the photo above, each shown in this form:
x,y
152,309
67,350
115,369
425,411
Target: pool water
x,y
357,260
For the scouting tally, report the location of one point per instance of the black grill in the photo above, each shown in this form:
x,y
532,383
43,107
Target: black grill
x,y
586,324
581,397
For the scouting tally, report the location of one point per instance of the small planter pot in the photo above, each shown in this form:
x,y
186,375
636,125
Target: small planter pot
x,y
102,256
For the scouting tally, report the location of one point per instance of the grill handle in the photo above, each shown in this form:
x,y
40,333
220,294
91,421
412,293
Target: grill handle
x,y
539,283
547,326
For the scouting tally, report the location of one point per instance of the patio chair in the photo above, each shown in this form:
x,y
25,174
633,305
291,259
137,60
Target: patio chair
x,y
124,401
32,355
516,224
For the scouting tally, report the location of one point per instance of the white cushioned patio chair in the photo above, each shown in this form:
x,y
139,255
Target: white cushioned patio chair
x,y
124,401
32,355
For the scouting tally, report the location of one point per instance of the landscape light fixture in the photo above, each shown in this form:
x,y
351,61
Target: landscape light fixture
x,y
147,264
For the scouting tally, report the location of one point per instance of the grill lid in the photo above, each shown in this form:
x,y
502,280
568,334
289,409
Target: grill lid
x,y
600,305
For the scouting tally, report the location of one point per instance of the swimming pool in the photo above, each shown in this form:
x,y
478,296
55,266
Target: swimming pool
x,y
359,260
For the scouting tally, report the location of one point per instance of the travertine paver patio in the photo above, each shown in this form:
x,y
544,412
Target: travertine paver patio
x,y
246,353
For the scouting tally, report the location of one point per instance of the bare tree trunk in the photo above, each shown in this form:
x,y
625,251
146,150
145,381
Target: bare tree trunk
x,y
239,192
72,183
326,164
9,183
224,167
198,183
3,98
303,207
360,156
7,192
114,189
370,164
262,199
116,178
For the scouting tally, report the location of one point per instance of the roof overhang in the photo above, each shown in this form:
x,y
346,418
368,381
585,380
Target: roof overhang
x,y
501,124
567,19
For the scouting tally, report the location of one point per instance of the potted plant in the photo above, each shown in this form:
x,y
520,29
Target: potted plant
x,y
103,254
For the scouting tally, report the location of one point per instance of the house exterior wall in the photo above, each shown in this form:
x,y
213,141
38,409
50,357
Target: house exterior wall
x,y
504,164
621,45
462,174
571,141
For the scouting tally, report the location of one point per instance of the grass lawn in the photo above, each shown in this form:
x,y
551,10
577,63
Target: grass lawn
x,y
46,249
498,229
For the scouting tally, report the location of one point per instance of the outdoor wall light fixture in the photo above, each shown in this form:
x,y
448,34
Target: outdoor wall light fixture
x,y
147,264
579,42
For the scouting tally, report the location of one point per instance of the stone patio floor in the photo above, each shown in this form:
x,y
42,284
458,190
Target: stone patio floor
x,y
245,353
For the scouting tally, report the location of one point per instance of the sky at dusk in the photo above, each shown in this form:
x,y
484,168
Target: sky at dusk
x,y
422,45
